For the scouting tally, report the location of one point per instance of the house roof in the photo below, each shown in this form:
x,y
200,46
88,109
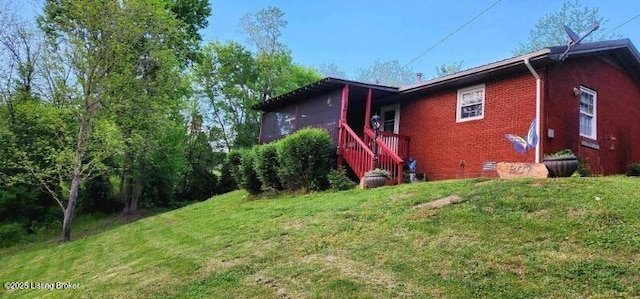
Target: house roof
x,y
323,86
595,47
479,73
621,52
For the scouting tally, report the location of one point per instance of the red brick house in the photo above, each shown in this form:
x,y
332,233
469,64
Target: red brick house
x,y
586,100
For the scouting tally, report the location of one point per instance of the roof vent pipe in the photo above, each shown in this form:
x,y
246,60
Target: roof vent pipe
x,y
419,77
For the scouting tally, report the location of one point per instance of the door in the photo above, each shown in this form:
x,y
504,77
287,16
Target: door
x,y
390,123
390,118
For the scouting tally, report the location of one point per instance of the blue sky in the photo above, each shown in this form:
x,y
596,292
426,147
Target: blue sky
x,y
354,33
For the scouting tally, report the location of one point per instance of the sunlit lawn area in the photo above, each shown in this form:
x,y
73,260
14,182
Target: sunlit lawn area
x,y
575,237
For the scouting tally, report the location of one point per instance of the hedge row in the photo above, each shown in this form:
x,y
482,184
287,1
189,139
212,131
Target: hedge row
x,y
300,161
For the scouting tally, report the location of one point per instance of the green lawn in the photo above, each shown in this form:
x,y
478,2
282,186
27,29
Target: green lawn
x,y
523,238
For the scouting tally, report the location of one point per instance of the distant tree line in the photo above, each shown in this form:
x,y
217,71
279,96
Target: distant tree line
x,y
116,106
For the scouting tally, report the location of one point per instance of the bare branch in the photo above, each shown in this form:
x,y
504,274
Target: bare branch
x,y
42,182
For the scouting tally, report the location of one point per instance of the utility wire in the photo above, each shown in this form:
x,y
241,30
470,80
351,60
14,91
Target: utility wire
x,y
625,23
452,33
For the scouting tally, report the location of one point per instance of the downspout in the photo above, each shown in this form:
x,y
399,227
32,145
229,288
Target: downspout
x,y
538,106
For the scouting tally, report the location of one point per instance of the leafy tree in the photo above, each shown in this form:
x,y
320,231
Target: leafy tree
x,y
263,29
232,78
277,73
152,91
8,15
199,180
29,129
123,84
227,77
192,16
390,73
90,35
32,161
20,51
331,70
167,163
549,31
444,70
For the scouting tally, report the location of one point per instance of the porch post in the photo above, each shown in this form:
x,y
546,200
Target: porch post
x,y
261,124
367,112
342,122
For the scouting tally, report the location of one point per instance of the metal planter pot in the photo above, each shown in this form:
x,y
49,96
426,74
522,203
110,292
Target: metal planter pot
x,y
374,181
561,166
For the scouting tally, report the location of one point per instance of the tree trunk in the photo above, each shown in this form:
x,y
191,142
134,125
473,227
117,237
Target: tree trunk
x,y
124,183
84,129
124,192
137,189
71,207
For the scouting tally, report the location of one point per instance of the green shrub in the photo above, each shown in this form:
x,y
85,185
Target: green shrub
x,y
11,234
97,196
583,168
249,179
377,172
563,153
227,180
232,163
304,159
266,165
633,169
339,180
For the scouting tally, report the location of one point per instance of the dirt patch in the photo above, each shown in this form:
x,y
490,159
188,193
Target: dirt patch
x,y
273,284
541,212
439,203
215,265
357,270
557,256
578,213
397,197
515,267
135,215
293,225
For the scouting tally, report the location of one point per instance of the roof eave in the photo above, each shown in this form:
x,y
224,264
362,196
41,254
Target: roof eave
x,y
321,86
589,48
477,71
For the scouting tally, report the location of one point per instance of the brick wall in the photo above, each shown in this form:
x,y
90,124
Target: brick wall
x,y
439,144
618,113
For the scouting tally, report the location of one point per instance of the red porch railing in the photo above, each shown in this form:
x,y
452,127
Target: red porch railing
x,y
355,151
388,158
396,142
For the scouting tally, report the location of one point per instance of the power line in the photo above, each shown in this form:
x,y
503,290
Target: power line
x,y
454,32
625,23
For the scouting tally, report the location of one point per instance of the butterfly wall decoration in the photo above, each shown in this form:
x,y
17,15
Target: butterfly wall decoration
x,y
522,145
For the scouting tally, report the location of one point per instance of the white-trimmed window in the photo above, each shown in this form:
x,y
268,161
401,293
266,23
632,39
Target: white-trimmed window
x,y
470,103
588,109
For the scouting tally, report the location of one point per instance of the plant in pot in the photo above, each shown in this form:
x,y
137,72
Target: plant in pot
x,y
375,178
561,164
633,169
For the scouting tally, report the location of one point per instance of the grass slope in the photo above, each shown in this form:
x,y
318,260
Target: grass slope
x,y
524,238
